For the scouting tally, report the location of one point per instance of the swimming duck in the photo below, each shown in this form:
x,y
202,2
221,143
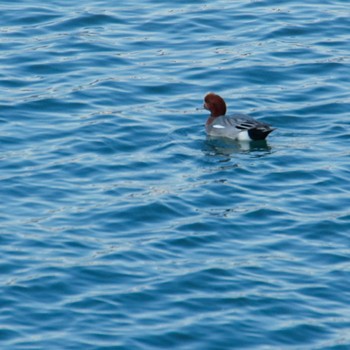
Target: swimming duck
x,y
238,126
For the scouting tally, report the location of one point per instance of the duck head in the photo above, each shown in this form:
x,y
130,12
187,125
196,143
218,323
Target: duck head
x,y
215,104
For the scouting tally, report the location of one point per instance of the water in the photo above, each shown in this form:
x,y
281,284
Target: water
x,y
123,227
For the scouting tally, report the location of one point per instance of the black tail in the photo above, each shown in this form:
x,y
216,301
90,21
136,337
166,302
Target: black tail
x,y
259,133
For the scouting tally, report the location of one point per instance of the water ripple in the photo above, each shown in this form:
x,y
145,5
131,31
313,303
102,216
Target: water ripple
x,y
118,211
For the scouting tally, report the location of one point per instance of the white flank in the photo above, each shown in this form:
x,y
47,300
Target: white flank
x,y
218,126
243,136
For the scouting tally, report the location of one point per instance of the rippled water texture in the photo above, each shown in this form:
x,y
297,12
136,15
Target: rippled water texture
x,y
122,226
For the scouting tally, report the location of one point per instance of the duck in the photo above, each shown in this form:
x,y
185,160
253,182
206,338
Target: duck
x,y
238,126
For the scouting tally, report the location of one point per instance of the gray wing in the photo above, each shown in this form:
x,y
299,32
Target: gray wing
x,y
233,125
243,122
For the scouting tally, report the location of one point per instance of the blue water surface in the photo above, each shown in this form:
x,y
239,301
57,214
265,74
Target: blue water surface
x,y
122,226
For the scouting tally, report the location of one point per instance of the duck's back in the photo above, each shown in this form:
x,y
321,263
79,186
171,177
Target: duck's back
x,y
238,126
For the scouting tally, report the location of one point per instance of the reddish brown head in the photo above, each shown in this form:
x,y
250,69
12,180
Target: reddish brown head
x,y
215,104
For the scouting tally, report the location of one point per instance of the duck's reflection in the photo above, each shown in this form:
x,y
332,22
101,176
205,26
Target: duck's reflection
x,y
219,146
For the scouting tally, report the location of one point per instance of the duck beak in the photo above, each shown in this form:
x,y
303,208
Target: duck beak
x,y
206,106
